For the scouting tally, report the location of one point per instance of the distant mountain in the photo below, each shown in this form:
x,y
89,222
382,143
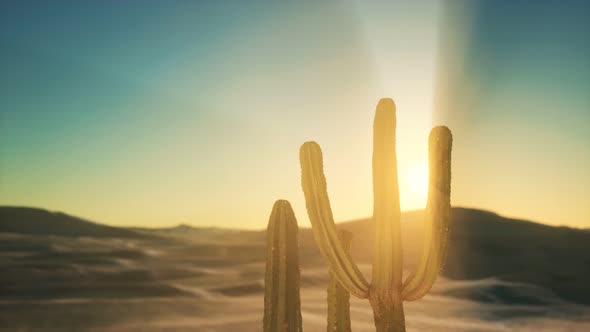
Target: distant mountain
x,y
24,220
484,244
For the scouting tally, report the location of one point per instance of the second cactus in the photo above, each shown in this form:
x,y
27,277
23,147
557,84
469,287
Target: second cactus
x,y
282,311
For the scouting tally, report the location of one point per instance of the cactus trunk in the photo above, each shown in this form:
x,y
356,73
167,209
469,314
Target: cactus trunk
x,y
338,296
392,320
387,257
282,311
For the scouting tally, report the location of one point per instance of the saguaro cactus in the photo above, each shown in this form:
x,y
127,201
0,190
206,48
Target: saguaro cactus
x,y
282,312
338,296
386,292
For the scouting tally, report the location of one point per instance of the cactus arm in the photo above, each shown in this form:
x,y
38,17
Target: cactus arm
x,y
324,230
282,311
387,261
438,209
338,297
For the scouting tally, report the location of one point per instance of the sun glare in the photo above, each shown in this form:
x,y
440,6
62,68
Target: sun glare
x,y
417,180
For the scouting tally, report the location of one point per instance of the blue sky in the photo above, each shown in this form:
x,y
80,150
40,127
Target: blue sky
x,y
513,84
157,113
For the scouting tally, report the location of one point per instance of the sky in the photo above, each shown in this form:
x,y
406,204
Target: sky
x,y
513,84
157,113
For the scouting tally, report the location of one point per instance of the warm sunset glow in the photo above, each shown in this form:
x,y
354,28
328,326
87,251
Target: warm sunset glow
x,y
417,180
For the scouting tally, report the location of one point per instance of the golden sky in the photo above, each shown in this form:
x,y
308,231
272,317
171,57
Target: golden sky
x,y
194,113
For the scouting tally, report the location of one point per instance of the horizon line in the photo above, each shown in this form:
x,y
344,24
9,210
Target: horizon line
x,y
196,226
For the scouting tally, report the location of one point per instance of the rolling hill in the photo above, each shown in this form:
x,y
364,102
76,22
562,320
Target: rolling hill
x,y
24,220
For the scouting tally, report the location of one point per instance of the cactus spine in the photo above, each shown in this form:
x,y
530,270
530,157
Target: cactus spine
x,y
387,291
338,296
282,311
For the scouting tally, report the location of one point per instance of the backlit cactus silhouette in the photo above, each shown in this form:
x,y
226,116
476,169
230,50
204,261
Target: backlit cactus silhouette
x,y
282,312
338,296
387,291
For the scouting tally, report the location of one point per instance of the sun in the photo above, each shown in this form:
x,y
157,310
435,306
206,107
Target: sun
x,y
417,180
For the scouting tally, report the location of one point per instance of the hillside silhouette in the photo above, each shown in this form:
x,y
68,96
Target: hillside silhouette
x,y
484,244
25,220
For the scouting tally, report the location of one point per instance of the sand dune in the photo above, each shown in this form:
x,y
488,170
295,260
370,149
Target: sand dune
x,y
174,281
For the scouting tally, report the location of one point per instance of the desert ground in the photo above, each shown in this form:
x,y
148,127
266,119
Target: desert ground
x,y
207,279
